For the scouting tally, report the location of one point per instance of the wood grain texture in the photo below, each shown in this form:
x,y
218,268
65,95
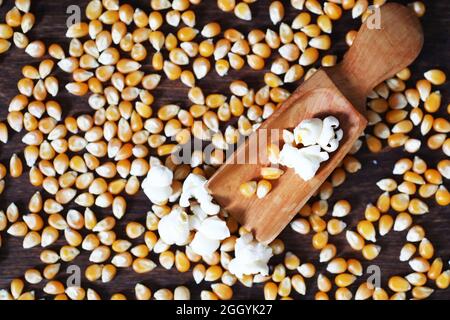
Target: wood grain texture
x,y
375,56
359,189
267,217
378,54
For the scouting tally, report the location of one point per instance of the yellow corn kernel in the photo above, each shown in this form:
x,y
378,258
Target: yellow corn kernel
x,y
248,189
307,270
254,61
222,291
337,266
270,291
344,280
433,102
399,284
441,125
367,230
443,281
388,185
415,234
309,56
437,141
279,273
271,173
320,207
402,221
407,187
323,283
435,269
418,207
285,287
341,208
350,37
371,251
213,273
384,202
119,297
242,11
325,190
291,261
54,287
181,262
335,226
226,5
364,291
355,240
142,265
380,294
400,202
320,240
373,143
263,188
435,76
426,249
416,278
442,196
385,224
354,267
372,213
317,223
421,292
15,166
93,272
321,296
142,292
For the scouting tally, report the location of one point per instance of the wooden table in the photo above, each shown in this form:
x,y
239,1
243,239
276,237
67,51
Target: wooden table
x,y
359,189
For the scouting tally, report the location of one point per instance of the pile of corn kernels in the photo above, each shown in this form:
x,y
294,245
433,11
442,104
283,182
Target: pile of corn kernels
x,y
94,160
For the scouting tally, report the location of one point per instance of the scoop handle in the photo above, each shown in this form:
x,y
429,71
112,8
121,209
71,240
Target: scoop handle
x,y
388,41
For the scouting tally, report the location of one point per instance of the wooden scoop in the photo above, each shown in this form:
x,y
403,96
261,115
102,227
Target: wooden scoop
x,y
341,91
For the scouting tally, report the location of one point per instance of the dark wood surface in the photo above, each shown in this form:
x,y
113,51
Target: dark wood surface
x,y
359,189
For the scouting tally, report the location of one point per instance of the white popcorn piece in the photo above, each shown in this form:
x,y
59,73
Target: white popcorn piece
x,y
329,139
251,257
157,184
315,131
317,137
203,245
305,161
308,132
174,227
210,232
214,228
160,176
157,195
288,137
195,187
197,218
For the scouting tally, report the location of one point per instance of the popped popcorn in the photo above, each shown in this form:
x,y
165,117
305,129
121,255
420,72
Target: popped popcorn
x,y
209,234
174,227
251,257
194,187
319,138
157,184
